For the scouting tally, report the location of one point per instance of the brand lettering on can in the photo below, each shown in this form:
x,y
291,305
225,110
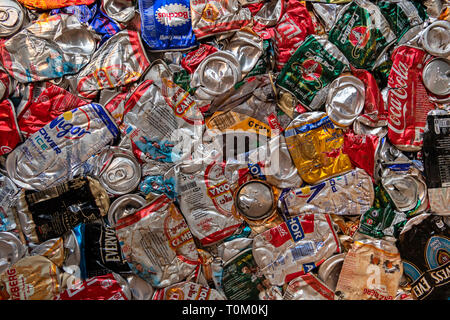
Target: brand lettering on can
x,y
173,15
68,130
295,229
398,96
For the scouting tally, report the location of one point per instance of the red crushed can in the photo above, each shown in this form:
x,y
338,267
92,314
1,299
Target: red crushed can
x,y
407,100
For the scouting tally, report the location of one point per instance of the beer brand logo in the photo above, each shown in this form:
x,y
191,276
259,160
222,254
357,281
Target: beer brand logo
x,y
311,70
69,130
210,13
295,229
173,15
358,37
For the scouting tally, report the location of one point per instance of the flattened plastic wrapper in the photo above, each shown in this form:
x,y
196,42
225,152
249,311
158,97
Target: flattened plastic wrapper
x,y
187,291
157,243
72,138
50,213
295,247
371,271
316,147
206,200
30,278
166,24
49,48
349,194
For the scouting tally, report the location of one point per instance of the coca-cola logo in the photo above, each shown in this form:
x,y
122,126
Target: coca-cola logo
x,y
398,97
173,15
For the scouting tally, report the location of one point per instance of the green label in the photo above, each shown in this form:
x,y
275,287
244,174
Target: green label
x,y
183,79
356,35
401,16
310,69
381,219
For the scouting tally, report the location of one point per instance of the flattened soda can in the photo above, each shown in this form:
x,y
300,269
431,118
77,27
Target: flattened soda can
x,y
50,213
157,243
11,17
362,33
436,76
330,270
308,287
119,172
31,278
295,247
315,144
407,101
349,194
52,4
166,24
124,206
7,199
313,66
11,250
52,154
436,152
67,46
121,11
435,38
255,200
187,291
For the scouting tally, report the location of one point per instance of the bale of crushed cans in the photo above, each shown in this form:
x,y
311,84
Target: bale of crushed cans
x,y
224,150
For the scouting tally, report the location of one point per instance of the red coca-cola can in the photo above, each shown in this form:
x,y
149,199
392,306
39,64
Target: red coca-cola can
x,y
407,101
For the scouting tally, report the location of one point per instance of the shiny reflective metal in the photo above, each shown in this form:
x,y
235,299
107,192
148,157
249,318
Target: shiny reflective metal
x,y
11,250
436,76
124,206
255,200
436,38
406,189
217,73
140,289
119,10
330,270
247,47
345,100
11,17
120,171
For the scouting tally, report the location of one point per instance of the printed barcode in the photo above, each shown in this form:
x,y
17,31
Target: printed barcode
x,y
223,121
188,185
302,250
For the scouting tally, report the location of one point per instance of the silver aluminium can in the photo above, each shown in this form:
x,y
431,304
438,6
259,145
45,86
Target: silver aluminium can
x,y
124,206
436,76
11,250
11,17
255,200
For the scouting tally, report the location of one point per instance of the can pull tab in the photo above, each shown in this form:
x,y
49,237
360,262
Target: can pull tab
x,y
9,17
4,15
116,175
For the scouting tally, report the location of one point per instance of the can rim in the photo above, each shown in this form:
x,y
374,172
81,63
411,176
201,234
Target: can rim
x,y
267,214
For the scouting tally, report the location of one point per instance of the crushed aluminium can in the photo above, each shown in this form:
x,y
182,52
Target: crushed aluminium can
x,y
121,11
407,101
7,200
436,152
9,127
362,33
52,4
187,291
371,271
295,247
315,144
69,138
213,17
206,200
124,206
166,24
50,213
330,270
307,287
435,76
30,278
65,46
308,72
121,60
11,17
157,243
11,250
110,286
349,194
345,100
118,171
435,38
425,248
